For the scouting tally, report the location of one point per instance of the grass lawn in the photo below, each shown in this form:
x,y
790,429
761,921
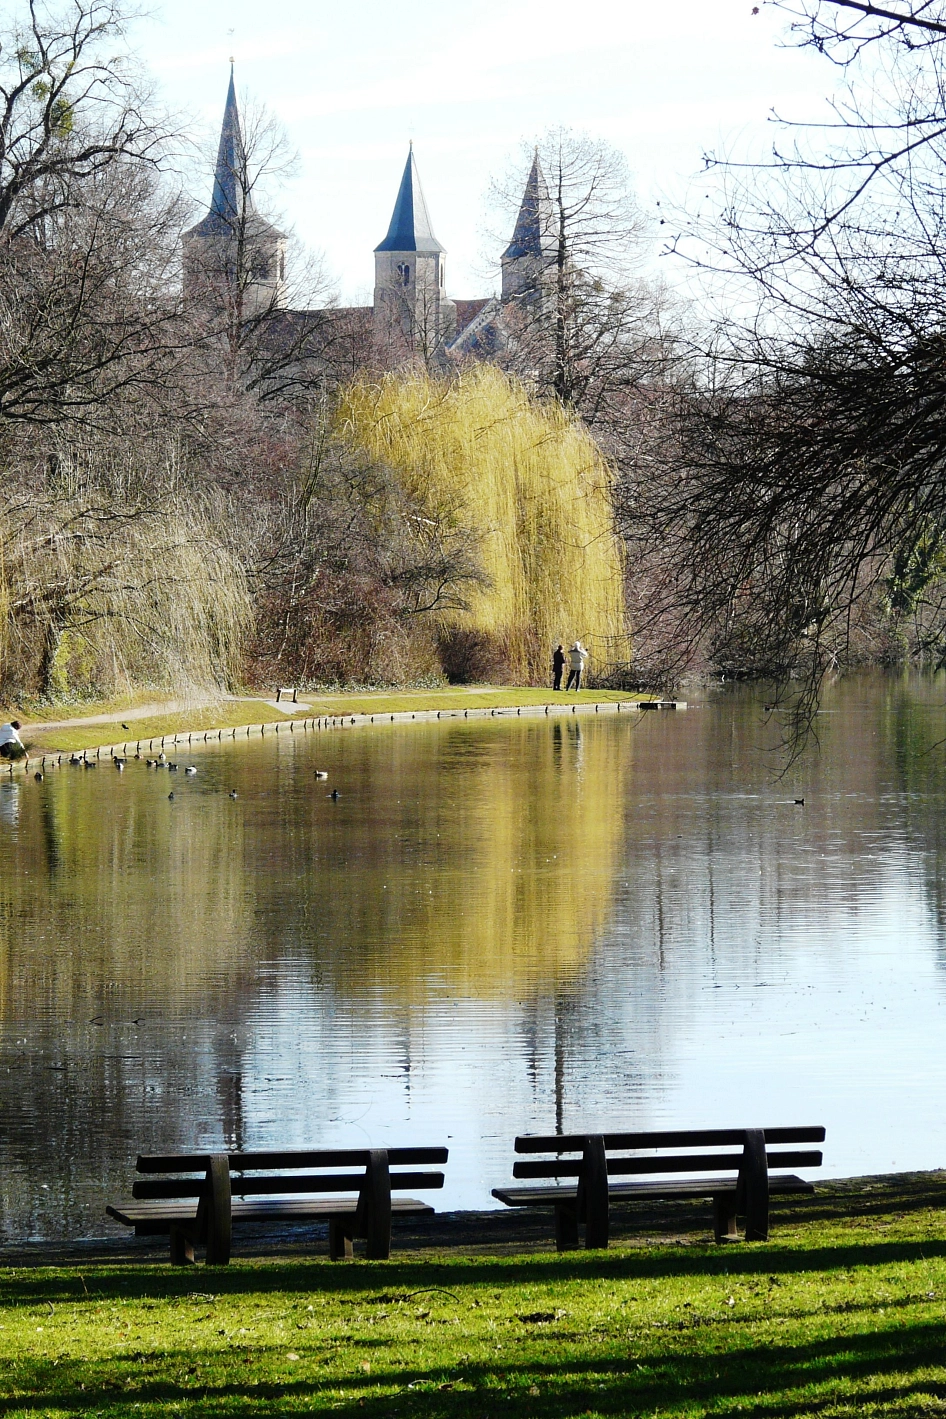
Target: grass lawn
x,y
236,713
840,1313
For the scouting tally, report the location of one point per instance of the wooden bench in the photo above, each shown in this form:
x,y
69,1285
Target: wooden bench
x,y
265,1188
744,1190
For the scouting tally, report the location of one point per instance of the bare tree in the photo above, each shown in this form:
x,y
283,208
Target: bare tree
x,y
579,317
793,502
257,299
89,309
352,573
68,108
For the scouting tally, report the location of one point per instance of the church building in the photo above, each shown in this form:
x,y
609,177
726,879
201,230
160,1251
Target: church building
x,y
234,262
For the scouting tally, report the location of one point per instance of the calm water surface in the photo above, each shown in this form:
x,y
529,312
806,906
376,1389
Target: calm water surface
x,y
499,927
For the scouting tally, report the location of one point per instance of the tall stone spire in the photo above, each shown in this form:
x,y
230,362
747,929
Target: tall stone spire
x,y
532,249
411,228
234,257
411,309
230,198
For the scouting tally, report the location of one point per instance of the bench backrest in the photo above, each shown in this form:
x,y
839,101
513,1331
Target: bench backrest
x,y
369,1162
652,1151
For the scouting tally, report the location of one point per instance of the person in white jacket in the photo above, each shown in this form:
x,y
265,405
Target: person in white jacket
x,y
11,745
576,663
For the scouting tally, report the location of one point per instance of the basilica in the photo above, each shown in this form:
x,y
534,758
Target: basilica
x,y
235,254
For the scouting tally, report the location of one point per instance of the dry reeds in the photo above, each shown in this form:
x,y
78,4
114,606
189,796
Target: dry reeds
x,y
478,453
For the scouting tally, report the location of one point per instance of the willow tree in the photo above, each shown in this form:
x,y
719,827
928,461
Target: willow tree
x,y
483,458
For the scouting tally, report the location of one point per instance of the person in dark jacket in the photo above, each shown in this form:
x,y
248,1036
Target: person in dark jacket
x,y
558,667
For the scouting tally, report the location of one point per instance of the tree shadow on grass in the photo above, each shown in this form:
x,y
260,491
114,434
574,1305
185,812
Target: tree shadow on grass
x,y
360,1279
867,1368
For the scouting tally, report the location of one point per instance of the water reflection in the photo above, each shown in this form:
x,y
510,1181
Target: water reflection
x,y
497,926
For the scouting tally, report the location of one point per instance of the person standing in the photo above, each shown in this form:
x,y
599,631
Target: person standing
x,y
577,657
11,745
558,667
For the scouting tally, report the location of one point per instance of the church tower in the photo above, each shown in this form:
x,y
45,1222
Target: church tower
x,y
529,259
411,307
234,260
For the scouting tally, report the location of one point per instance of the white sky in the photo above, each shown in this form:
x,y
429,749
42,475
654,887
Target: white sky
x,y
352,83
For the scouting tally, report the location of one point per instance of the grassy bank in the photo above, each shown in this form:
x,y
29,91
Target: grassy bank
x,y
841,1312
240,712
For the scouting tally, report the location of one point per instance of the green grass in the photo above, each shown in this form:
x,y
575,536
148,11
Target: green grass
x,y
238,713
838,1314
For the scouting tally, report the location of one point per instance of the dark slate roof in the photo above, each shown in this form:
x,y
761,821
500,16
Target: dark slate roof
x,y
410,228
533,232
231,203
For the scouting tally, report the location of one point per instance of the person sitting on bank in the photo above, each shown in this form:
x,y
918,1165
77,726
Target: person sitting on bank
x,y
558,666
577,657
11,745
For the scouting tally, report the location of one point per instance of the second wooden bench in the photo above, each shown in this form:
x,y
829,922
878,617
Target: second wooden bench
x,y
741,1185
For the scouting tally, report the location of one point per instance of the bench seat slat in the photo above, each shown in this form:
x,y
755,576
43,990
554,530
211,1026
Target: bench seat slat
x,y
262,1186
155,1218
689,1138
634,1191
673,1163
288,1158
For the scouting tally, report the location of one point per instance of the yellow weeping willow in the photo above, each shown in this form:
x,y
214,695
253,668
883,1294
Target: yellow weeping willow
x,y
527,481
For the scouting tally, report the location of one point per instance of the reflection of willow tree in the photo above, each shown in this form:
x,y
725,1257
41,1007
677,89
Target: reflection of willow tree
x,y
147,946
492,876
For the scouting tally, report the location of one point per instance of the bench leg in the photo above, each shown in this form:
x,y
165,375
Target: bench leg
x,y
566,1226
339,1241
182,1248
754,1176
724,1218
375,1206
218,1217
593,1193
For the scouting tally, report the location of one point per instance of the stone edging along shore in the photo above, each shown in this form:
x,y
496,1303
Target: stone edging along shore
x,y
319,724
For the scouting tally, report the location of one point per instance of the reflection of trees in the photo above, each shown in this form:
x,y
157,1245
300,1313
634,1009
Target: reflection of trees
x,y
143,942
483,868
558,897
913,729
124,939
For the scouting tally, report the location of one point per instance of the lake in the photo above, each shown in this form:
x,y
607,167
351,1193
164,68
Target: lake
x,y
500,926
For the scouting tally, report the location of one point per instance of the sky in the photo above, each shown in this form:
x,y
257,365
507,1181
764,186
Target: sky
x,y
469,83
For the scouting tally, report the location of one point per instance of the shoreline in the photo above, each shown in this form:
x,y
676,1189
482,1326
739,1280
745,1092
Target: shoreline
x,y
507,1231
208,725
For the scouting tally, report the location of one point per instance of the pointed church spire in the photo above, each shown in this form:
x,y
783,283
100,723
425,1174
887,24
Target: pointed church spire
x,y
410,228
231,201
234,255
533,231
